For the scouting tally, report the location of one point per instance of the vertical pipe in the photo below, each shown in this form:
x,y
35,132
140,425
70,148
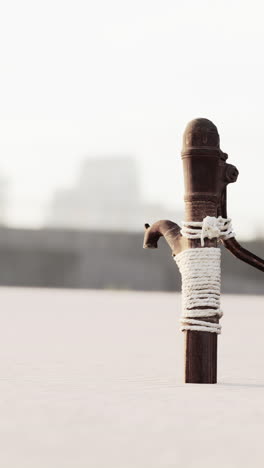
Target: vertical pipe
x,y
200,157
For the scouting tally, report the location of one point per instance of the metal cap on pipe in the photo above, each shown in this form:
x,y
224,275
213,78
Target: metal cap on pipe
x,y
201,136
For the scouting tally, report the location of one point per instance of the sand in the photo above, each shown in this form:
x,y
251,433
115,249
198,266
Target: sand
x,y
93,379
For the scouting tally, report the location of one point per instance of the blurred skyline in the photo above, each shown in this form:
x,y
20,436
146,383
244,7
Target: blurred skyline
x,y
115,79
107,195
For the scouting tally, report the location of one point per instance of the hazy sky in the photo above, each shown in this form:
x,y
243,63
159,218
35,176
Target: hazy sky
x,y
103,78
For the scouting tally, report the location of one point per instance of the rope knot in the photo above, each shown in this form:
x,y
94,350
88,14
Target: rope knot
x,y
211,227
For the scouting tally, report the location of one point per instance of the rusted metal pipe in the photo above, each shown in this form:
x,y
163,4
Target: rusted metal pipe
x,y
206,176
233,245
169,230
243,254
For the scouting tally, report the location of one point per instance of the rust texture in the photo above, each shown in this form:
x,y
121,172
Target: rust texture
x,y
206,176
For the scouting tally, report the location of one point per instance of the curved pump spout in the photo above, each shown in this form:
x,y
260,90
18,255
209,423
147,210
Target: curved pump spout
x,y
168,229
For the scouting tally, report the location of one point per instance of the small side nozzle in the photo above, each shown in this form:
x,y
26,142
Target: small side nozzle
x,y
168,229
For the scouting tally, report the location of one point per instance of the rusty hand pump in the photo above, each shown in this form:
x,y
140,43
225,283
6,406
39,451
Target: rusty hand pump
x,y
206,176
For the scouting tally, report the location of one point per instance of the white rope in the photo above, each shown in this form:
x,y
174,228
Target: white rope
x,y
201,277
210,227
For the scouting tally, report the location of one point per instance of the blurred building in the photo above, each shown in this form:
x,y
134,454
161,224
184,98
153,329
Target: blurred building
x,y
3,199
106,196
64,258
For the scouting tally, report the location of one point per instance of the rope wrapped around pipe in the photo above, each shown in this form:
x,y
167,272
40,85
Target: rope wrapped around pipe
x,y
201,274
210,227
201,278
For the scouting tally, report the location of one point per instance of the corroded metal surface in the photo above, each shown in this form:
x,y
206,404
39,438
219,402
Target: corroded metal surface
x,y
206,176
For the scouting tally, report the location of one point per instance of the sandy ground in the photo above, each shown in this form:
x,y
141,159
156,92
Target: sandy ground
x,y
92,379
